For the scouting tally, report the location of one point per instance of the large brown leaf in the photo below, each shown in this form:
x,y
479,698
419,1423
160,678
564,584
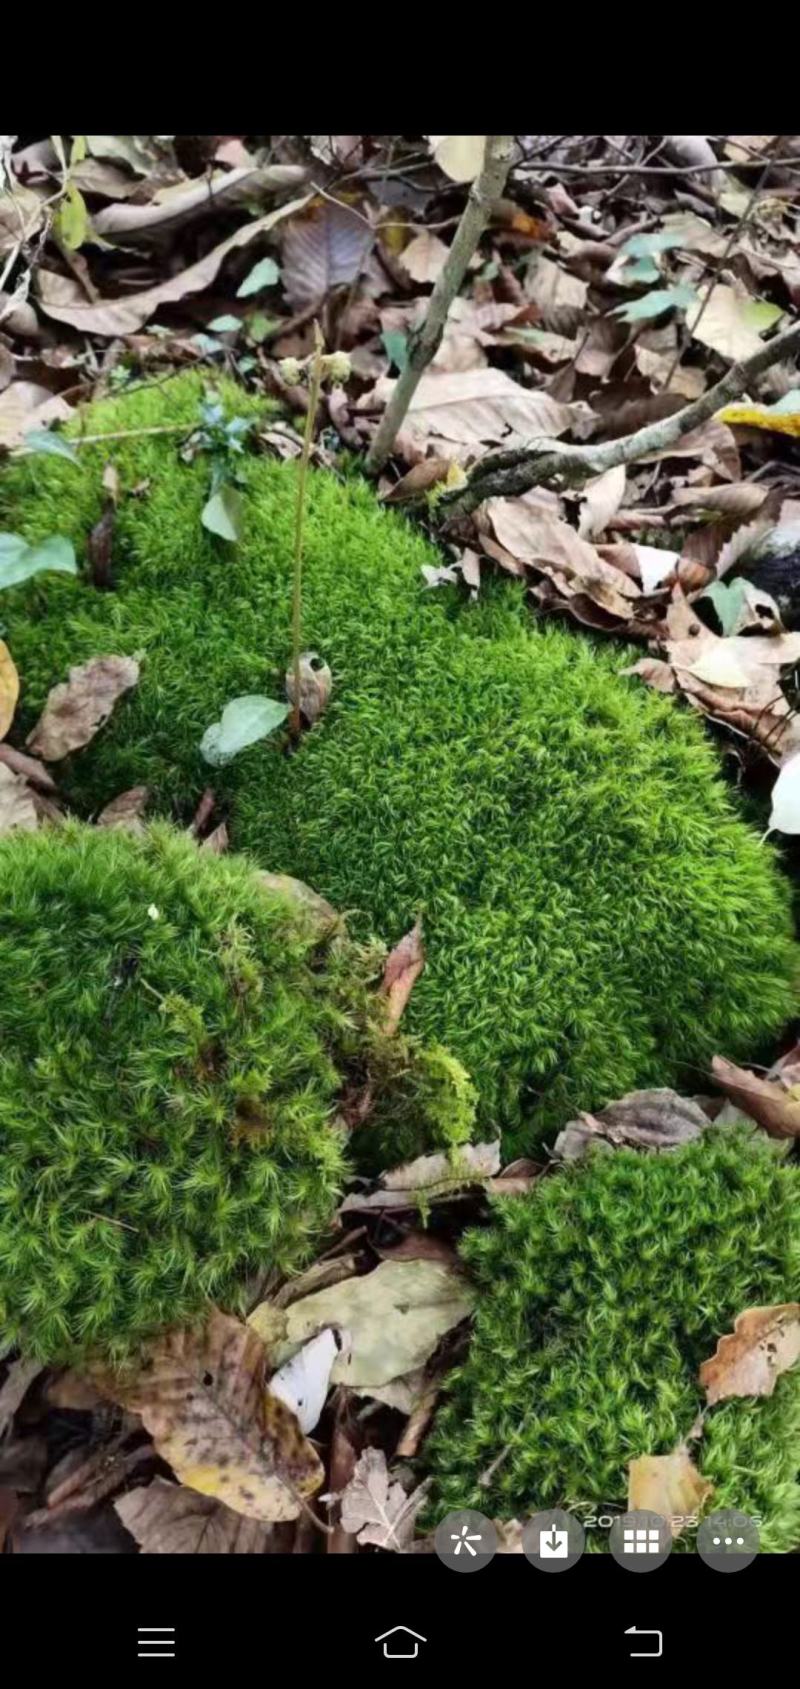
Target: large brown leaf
x,y
766,1101
170,1519
169,209
326,245
78,707
764,1343
480,407
669,1484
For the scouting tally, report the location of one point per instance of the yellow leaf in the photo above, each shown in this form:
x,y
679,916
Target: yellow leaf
x,y
669,1484
9,689
762,416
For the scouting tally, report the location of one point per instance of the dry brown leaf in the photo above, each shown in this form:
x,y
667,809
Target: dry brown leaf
x,y
418,480
766,1101
560,297
326,245
739,498
17,808
376,1509
731,323
203,1397
535,537
170,1519
316,682
669,1484
403,967
26,405
61,297
658,367
479,407
18,1381
459,156
764,1343
77,708
425,257
9,688
647,1120
713,444
184,202
430,1176
320,912
22,214
601,499
126,811
601,346
34,772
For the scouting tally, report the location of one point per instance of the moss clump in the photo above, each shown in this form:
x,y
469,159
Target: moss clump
x,y
600,1295
174,1042
596,915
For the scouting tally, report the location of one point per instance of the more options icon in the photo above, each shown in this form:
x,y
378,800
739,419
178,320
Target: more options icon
x,y
553,1541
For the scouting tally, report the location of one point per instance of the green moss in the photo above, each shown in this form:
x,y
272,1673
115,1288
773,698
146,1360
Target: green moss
x,y
174,1045
599,1296
596,915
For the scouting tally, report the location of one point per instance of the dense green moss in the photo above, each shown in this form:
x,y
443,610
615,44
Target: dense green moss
x,y
174,1040
596,915
600,1295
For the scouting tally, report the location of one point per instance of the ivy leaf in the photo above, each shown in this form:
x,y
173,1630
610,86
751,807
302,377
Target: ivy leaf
x,y
654,304
222,513
244,721
71,221
225,325
395,345
263,274
45,442
18,560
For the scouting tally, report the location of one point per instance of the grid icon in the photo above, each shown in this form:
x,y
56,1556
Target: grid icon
x,y
641,1541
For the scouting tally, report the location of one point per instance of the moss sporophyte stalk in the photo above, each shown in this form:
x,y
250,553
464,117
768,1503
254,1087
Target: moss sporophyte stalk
x,y
597,916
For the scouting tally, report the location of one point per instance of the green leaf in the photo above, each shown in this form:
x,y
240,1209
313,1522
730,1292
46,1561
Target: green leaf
x,y
18,560
395,345
225,325
263,274
655,303
71,221
728,601
644,246
258,327
244,721
222,513
641,270
45,442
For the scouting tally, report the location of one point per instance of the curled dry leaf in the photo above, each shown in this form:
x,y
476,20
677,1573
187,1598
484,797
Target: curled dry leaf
x,y
376,1509
203,1397
34,772
9,688
766,1101
424,257
602,497
19,1378
479,407
648,1120
17,808
167,1518
669,1484
430,1177
126,811
534,536
316,682
764,1343
185,202
431,472
62,298
403,968
76,709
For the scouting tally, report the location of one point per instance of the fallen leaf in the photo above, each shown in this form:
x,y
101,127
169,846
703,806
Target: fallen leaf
x,y
184,202
785,812
424,257
126,811
376,1509
62,298
431,472
263,274
202,1396
647,1120
404,964
22,214
99,546
17,808
712,444
766,1101
303,1381
76,709
741,606
459,156
321,913
479,407
326,245
601,499
669,1484
19,1378
9,688
316,682
428,1178
394,1317
223,513
20,561
650,564
34,772
561,297
26,405
764,1343
732,324
167,1518
535,537
345,150
774,418
244,721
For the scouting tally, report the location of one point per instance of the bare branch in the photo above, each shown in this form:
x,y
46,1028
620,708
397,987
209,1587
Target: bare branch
x,y
487,188
509,473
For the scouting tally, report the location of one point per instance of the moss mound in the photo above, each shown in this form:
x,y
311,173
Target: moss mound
x,y
599,1297
597,917
173,1044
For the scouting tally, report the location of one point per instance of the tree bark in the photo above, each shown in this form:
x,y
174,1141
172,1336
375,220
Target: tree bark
x,y
486,188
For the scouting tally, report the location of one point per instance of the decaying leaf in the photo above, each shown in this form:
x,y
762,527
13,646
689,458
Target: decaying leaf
x,y
669,1484
17,808
184,202
19,1379
532,535
303,1381
479,407
431,472
203,1397
316,682
126,811
647,1120
459,156
76,709
325,245
602,497
428,1178
403,968
376,1509
394,1318
764,1343
25,405
321,913
170,1519
424,257
766,1101
731,323
62,298
9,688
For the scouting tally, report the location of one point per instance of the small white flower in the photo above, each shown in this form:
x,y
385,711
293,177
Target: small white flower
x,y
153,912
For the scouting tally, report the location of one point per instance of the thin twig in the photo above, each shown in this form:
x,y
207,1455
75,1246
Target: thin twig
x,y
650,169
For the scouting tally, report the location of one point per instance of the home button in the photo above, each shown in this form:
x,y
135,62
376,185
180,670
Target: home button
x,y
400,1643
